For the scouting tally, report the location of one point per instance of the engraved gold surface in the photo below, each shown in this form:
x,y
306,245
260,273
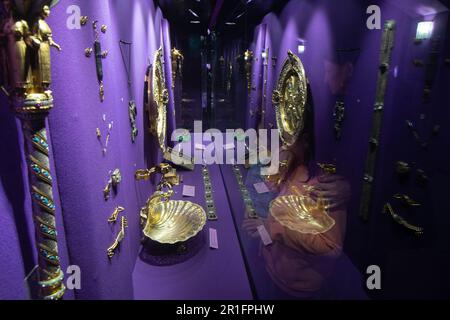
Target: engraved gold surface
x,y
160,97
301,214
173,221
289,99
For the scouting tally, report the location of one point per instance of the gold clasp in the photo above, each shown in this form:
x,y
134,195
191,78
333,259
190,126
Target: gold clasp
x,y
115,214
111,250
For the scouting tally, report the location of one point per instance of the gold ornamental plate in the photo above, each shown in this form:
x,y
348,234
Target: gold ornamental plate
x,y
174,221
301,214
160,99
289,99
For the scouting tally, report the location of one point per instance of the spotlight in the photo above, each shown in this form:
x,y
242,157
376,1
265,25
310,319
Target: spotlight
x,y
301,46
193,13
424,30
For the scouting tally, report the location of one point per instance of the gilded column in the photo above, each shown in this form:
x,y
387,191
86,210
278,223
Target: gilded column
x,y
27,40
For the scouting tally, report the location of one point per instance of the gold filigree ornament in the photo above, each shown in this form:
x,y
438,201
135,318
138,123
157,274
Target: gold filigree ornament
x,y
160,98
290,98
301,214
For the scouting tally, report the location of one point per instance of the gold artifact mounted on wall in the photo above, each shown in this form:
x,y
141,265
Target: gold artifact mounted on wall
x,y
248,58
177,65
25,76
290,98
159,99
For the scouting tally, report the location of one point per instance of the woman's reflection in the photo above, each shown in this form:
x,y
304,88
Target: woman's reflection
x,y
300,263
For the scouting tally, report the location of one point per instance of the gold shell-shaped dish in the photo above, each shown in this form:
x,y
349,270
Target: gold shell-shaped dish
x,y
174,221
301,214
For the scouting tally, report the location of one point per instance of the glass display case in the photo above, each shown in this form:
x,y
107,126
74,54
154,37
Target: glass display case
x,y
224,150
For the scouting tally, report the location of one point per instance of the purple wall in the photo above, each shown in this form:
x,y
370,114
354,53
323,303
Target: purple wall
x,y
81,168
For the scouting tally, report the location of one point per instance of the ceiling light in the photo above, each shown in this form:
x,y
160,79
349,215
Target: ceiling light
x,y
230,23
195,21
193,13
239,15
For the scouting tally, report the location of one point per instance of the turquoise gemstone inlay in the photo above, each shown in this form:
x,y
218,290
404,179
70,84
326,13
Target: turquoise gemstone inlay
x,y
49,256
41,171
44,200
45,229
40,142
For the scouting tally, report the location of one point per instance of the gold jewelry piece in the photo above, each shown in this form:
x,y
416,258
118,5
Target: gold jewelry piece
x,y
422,178
98,56
169,174
103,28
88,52
84,20
101,92
248,58
115,178
406,200
402,168
115,214
388,209
250,209
327,168
290,98
120,236
177,65
211,211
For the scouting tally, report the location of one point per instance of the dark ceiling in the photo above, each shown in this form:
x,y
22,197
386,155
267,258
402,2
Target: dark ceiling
x,y
224,16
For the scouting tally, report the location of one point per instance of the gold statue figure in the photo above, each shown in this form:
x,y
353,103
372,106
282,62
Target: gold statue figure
x,y
42,41
28,52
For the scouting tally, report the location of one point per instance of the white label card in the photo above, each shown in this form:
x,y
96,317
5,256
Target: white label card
x,y
265,237
188,191
213,242
261,187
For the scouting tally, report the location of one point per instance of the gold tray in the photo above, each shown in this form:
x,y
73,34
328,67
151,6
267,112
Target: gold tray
x,y
301,214
174,221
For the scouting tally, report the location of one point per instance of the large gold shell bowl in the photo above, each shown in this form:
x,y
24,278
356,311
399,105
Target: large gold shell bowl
x,y
301,214
174,221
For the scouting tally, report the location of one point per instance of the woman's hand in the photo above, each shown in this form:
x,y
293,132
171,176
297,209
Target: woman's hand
x,y
251,226
333,189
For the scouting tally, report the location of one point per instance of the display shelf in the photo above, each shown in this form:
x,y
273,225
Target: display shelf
x,y
211,273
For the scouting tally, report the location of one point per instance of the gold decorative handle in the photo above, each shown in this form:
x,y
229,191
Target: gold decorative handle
x,y
144,174
111,250
388,209
327,168
115,214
